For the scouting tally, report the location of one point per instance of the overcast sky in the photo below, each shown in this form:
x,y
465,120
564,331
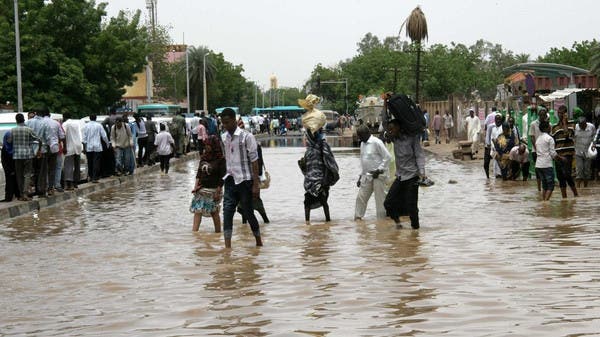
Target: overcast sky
x,y
288,38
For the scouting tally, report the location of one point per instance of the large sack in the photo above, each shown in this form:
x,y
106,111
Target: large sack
x,y
408,113
313,120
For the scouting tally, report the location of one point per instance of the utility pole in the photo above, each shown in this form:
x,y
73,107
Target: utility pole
x,y
205,105
18,51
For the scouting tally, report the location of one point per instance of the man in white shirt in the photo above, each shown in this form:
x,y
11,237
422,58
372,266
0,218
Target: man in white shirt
x,y
194,122
241,181
72,152
374,161
545,153
534,132
584,136
492,132
54,136
93,135
519,161
473,125
490,119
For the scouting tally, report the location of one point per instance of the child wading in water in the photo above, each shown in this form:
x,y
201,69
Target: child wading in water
x,y
208,190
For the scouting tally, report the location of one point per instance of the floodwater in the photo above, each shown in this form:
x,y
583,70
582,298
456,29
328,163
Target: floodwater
x,y
489,260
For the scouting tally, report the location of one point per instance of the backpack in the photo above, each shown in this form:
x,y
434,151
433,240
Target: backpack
x,y
408,113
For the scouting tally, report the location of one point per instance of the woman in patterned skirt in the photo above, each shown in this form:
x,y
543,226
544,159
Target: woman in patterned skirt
x,y
208,190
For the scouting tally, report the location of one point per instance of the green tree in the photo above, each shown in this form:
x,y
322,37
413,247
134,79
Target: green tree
x,y
579,55
196,59
71,59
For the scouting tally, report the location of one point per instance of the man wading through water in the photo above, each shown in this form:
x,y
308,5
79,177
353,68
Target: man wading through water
x,y
241,180
402,197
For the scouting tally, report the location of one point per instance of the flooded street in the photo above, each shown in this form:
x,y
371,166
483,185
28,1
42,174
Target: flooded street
x,y
490,259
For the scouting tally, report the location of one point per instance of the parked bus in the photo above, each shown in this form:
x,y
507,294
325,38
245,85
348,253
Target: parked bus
x,y
289,112
158,109
234,108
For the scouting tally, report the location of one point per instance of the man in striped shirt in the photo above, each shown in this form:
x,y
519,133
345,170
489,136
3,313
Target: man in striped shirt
x,y
241,179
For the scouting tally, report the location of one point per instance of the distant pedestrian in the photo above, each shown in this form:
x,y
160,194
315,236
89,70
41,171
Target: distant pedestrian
x,y
11,189
178,132
122,144
165,147
436,125
426,131
473,125
23,139
201,134
152,132
93,136
194,122
584,136
448,126
72,152
142,141
55,135
208,189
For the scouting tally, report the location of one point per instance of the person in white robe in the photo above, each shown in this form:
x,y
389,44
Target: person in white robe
x,y
473,125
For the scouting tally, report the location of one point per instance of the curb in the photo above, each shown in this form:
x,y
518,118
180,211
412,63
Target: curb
x,y
18,208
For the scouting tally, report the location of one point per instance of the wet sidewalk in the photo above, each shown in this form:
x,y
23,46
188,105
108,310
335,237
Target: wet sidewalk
x,y
17,208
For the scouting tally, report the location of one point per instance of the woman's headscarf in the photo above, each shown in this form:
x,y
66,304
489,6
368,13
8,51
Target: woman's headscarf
x,y
7,144
216,149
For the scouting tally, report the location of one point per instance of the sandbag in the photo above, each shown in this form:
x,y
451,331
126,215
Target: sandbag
x,y
408,113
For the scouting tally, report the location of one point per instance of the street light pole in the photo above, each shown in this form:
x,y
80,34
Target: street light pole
x,y
187,78
18,51
205,106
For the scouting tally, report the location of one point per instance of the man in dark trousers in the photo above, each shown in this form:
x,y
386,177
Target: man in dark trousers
x,y
402,197
241,180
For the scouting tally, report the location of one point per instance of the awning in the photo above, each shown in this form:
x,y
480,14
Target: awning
x,y
559,94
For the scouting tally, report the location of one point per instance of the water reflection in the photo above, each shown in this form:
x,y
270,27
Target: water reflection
x,y
490,259
299,141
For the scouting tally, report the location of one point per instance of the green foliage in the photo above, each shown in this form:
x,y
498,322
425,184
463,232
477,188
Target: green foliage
x,y
71,60
446,69
579,55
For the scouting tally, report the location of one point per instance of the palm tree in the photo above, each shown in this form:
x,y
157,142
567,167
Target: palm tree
x,y
196,68
416,30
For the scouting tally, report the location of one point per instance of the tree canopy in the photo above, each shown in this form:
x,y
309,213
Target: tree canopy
x,y
447,69
72,58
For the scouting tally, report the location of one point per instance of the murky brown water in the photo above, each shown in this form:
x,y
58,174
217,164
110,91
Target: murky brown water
x,y
490,260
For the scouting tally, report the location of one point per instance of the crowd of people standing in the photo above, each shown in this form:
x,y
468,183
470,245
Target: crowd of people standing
x,y
561,149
